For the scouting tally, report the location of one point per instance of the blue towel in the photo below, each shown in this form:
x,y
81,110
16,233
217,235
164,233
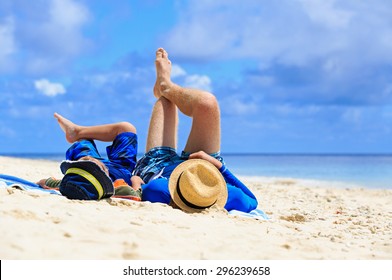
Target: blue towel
x,y
255,214
16,182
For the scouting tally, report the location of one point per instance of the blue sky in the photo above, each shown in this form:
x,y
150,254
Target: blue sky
x,y
291,76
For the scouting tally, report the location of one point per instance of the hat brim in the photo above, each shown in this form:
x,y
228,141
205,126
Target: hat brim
x,y
174,177
94,170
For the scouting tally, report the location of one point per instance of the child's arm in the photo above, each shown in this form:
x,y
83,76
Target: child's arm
x,y
49,183
137,182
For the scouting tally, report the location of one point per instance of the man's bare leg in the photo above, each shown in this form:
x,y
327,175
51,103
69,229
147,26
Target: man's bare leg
x,y
105,132
202,106
163,70
164,118
163,125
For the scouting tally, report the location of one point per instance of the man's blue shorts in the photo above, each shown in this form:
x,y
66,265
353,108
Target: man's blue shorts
x,y
121,154
159,162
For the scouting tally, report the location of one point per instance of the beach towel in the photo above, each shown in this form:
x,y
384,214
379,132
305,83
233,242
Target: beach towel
x,y
255,214
8,181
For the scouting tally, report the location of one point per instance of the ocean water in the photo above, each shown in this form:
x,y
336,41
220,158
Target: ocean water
x,y
370,171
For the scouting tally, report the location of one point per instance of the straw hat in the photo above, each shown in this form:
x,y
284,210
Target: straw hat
x,y
197,184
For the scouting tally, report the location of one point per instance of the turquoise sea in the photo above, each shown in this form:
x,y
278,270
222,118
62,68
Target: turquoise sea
x,y
371,171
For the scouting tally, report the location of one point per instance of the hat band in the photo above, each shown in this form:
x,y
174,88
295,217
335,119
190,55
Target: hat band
x,y
89,177
187,203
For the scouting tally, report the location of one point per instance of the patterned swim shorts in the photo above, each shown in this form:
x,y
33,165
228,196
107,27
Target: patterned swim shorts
x,y
159,162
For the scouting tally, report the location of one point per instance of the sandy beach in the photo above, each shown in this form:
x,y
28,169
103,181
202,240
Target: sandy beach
x,y
309,220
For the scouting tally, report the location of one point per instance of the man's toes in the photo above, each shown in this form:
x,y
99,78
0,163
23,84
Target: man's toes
x,y
160,53
165,54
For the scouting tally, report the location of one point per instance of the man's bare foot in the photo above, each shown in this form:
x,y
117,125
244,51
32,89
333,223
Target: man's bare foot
x,y
70,129
163,69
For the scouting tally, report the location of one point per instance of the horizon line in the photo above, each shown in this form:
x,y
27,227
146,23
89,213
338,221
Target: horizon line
x,y
231,153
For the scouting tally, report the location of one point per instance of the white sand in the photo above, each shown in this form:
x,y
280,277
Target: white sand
x,y
309,220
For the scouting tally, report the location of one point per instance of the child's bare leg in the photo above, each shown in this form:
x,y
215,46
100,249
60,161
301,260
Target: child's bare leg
x,y
106,132
202,106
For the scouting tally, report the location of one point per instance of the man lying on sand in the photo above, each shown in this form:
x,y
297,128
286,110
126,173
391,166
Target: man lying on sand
x,y
198,178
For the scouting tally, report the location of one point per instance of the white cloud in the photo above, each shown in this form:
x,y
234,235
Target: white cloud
x,y
242,108
197,81
48,88
293,32
48,34
326,12
68,13
202,82
235,105
177,71
67,17
7,43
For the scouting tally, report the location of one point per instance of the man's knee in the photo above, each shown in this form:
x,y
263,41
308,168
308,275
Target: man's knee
x,y
208,103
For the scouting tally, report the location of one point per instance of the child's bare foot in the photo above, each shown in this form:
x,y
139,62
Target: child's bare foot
x,y
70,129
163,69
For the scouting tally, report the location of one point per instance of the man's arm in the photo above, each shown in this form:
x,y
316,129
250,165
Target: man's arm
x,y
241,197
230,178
